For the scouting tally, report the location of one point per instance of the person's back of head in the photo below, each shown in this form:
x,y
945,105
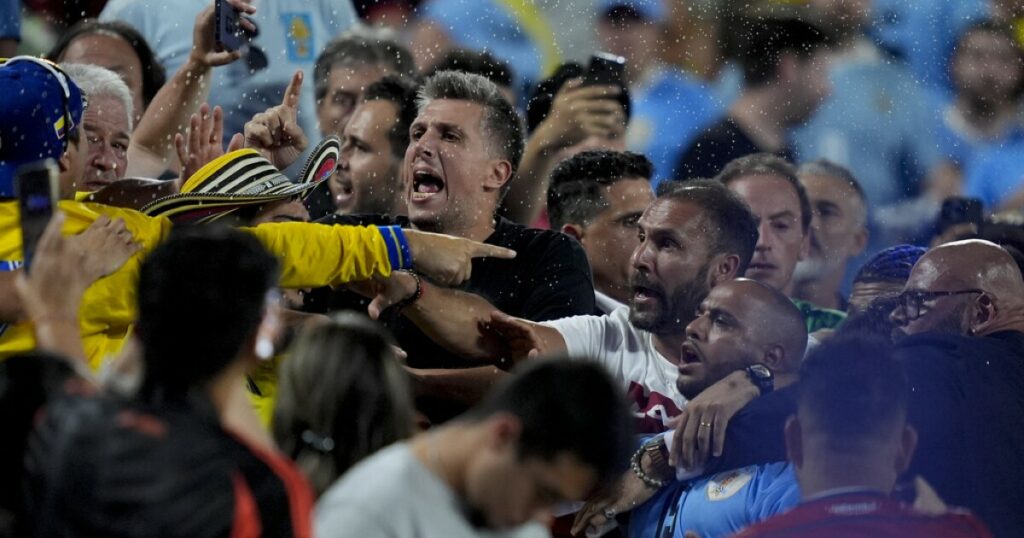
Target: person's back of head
x,y
153,74
342,396
401,92
202,295
760,43
565,408
852,415
768,165
575,193
542,96
362,48
733,225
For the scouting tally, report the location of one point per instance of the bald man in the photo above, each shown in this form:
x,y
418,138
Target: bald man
x,y
961,322
740,325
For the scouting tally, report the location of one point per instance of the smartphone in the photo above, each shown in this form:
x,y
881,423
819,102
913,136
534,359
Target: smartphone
x,y
231,35
957,210
605,69
35,186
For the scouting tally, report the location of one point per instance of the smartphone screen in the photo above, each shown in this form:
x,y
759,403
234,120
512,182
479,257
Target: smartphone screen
x,y
605,69
36,188
231,35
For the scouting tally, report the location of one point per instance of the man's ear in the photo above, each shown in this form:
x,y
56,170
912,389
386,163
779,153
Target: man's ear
x,y
805,245
64,163
723,267
499,172
908,444
574,231
983,313
860,242
794,441
774,357
503,429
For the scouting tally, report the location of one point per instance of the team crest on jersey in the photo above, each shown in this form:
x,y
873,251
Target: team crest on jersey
x,y
725,485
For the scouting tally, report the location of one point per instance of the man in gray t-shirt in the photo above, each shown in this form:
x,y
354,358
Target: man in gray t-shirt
x,y
555,432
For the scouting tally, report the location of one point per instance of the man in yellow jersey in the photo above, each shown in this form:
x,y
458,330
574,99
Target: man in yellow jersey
x,y
41,118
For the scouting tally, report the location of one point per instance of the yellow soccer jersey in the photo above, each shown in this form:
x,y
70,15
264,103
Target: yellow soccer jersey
x,y
311,255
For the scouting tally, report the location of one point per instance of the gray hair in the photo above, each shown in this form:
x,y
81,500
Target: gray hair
x,y
362,47
96,81
500,123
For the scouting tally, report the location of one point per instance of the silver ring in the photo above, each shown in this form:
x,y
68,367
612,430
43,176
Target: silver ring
x,y
609,514
705,424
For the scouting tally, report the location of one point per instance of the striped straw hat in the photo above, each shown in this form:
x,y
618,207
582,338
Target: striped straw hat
x,y
242,178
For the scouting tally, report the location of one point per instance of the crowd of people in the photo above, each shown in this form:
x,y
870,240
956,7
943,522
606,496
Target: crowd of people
x,y
415,268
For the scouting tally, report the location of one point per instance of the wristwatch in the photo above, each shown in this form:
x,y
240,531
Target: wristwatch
x,y
762,378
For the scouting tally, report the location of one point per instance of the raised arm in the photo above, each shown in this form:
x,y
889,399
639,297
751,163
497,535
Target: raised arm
x,y
152,148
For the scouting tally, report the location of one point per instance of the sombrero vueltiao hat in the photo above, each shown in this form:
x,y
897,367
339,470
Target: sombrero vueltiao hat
x,y
239,179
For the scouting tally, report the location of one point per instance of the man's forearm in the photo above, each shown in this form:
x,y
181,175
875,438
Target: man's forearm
x,y
528,193
168,113
11,310
452,319
466,386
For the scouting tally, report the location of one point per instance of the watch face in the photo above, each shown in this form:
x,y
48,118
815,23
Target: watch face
x,y
761,371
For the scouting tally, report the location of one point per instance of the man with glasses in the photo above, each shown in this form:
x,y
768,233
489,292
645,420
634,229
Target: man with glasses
x,y
960,321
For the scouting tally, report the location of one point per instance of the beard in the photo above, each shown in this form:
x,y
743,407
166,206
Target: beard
x,y
674,311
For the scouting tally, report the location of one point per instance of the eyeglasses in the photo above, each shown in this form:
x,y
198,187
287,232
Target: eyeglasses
x,y
912,302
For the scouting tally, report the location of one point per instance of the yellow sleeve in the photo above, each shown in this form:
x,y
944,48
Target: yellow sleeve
x,y
316,255
109,306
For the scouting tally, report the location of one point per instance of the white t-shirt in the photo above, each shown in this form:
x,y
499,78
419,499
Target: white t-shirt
x,y
392,495
628,353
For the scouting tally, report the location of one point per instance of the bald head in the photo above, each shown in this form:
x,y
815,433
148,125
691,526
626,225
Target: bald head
x,y
988,284
741,322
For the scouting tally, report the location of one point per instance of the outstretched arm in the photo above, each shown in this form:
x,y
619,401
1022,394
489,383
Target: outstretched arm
x,y
152,149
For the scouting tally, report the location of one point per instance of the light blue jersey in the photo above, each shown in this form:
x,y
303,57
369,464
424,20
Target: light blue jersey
x,y
10,19
718,505
996,175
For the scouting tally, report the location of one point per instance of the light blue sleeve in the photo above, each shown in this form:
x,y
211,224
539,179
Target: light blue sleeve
x,y
131,11
979,177
339,15
777,491
10,19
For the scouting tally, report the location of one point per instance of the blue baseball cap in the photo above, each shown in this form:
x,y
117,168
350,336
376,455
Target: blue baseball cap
x,y
41,105
650,10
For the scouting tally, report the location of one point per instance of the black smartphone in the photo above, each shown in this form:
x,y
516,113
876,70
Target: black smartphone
x,y
231,35
957,210
35,185
605,69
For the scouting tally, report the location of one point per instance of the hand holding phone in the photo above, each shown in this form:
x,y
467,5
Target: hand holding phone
x,y
233,30
605,70
35,186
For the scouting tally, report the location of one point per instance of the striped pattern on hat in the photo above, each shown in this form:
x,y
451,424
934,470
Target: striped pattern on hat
x,y
242,178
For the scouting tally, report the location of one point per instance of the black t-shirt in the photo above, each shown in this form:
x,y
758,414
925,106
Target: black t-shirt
x,y
756,434
548,279
719,144
967,404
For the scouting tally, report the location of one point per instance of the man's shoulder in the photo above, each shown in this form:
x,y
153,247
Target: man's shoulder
x,y
529,241
384,476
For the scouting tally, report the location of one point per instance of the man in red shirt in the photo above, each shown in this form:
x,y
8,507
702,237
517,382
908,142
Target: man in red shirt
x,y
850,442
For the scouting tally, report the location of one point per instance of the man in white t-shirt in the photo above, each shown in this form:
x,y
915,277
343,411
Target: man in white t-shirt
x,y
694,236
556,432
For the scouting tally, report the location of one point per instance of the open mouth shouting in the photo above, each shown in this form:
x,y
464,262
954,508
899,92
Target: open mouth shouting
x,y
343,191
426,184
690,354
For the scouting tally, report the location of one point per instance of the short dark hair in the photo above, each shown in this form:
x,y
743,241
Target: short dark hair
x,y
566,406
576,192
734,224
480,63
153,74
361,49
543,95
854,390
201,295
401,92
769,164
501,122
759,43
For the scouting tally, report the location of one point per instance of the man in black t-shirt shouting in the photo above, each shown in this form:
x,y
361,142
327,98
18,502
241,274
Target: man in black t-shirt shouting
x,y
465,146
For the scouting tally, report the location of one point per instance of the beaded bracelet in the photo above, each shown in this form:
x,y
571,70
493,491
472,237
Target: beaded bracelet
x,y
415,296
647,479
